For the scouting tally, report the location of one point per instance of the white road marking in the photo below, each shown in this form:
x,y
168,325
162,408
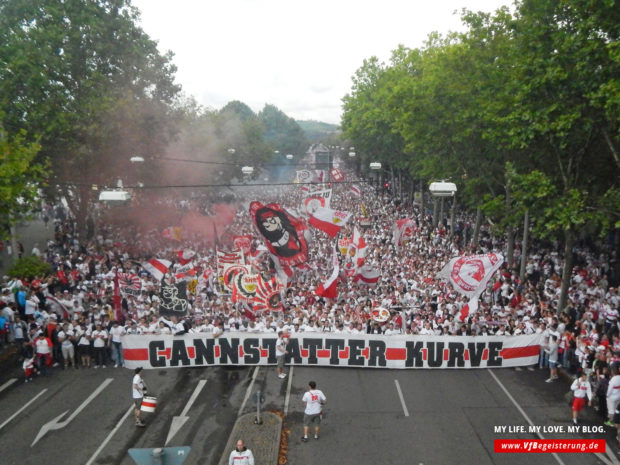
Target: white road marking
x,y
57,424
179,421
402,399
107,439
24,407
7,384
512,399
613,460
248,391
288,391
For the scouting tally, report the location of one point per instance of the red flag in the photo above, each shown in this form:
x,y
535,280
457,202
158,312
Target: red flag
x,y
118,311
329,221
157,267
329,289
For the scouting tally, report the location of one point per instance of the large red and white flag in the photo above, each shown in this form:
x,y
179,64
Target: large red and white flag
x,y
157,267
329,289
185,256
403,231
470,274
337,175
355,190
328,220
367,275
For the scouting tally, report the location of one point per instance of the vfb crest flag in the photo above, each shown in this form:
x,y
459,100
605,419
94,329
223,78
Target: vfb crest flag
x,y
470,274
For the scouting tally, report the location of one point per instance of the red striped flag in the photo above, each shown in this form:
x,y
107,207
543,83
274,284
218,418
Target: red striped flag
x,y
356,190
157,267
329,289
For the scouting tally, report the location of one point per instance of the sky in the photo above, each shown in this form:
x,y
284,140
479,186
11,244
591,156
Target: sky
x,y
295,54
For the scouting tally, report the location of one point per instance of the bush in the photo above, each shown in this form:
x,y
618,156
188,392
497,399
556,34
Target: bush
x,y
29,268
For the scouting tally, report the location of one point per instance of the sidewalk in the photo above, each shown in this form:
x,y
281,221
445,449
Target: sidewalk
x,y
263,440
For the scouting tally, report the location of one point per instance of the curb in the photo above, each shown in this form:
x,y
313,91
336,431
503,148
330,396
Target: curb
x,y
263,440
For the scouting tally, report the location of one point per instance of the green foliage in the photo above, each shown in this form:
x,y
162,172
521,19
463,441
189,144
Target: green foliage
x,y
520,111
29,268
282,132
20,178
84,79
317,131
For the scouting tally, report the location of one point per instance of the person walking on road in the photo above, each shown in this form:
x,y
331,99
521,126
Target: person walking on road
x,y
613,395
241,455
281,352
138,389
314,400
581,388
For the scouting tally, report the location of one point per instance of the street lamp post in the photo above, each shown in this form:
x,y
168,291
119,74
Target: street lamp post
x,y
441,190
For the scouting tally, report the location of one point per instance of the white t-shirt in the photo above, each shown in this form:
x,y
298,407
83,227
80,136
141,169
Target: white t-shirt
x,y
280,347
137,380
313,399
99,338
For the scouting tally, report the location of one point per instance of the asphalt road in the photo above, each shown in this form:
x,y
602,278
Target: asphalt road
x,y
443,417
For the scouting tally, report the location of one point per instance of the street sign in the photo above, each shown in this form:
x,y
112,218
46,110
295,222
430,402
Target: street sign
x,y
160,455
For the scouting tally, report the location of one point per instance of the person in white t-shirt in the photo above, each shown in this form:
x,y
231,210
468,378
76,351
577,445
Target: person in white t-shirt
x,y
314,400
117,350
99,337
138,390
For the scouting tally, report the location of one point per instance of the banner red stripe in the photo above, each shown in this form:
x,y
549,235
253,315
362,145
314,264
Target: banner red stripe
x,y
136,354
518,352
395,354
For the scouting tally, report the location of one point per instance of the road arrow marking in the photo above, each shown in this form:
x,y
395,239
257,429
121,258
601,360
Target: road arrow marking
x,y
24,407
7,384
57,424
179,421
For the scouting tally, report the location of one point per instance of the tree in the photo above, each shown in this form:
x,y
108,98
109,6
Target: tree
x,y
20,178
282,132
85,79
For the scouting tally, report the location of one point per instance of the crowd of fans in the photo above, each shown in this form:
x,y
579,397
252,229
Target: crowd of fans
x,y
67,319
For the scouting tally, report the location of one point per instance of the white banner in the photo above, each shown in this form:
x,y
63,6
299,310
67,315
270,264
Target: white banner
x,y
323,349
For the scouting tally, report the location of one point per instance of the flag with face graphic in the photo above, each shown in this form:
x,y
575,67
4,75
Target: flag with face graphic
x,y
470,274
283,233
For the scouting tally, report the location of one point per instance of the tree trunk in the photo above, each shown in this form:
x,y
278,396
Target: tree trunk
x,y
510,246
510,231
476,236
569,239
422,202
526,227
435,211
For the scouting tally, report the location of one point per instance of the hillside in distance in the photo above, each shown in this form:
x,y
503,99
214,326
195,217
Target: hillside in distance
x,y
317,131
